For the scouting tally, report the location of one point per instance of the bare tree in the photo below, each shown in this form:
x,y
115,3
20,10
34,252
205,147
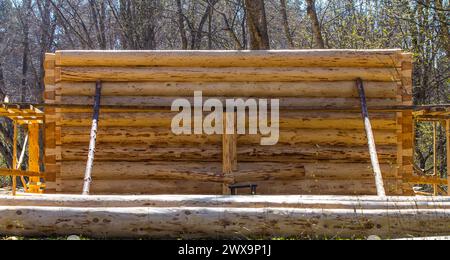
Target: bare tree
x,y
287,30
317,31
257,24
181,25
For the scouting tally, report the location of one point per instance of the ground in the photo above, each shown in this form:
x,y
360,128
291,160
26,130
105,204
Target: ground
x,y
5,191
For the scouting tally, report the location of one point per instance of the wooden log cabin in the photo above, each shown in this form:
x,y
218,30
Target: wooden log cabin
x,y
322,148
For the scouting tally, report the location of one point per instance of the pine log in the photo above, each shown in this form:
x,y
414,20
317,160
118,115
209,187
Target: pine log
x,y
339,89
292,201
237,223
156,136
288,119
284,58
278,187
142,187
231,74
212,153
185,171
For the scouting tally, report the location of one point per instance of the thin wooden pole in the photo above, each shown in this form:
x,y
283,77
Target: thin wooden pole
x,y
93,141
371,140
14,162
18,166
447,131
435,170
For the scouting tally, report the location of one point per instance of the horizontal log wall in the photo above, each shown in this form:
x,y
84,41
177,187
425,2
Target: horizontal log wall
x,y
319,152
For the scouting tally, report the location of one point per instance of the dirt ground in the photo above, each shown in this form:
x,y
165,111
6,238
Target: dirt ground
x,y
5,191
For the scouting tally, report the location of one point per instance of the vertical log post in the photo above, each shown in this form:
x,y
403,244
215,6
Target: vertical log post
x,y
14,161
447,133
34,185
93,140
18,165
371,140
435,162
229,147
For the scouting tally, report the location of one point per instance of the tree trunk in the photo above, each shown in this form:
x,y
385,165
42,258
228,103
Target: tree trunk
x,y
98,16
317,31
287,30
257,24
26,47
2,85
443,20
184,41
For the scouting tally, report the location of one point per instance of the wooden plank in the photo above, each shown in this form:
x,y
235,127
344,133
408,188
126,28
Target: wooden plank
x,y
425,180
18,173
339,89
283,58
289,74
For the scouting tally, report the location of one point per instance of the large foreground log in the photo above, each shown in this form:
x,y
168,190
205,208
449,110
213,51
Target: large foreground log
x,y
217,222
289,201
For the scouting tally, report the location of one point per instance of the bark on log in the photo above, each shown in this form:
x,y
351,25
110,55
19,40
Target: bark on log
x,y
288,119
354,187
221,222
157,136
212,153
230,74
284,102
273,58
342,89
292,201
185,171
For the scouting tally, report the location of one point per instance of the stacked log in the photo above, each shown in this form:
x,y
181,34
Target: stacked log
x,y
153,160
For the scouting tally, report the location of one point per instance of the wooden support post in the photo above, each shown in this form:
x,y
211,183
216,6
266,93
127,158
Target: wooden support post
x,y
435,170
18,165
14,161
447,131
229,147
34,185
92,144
371,141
